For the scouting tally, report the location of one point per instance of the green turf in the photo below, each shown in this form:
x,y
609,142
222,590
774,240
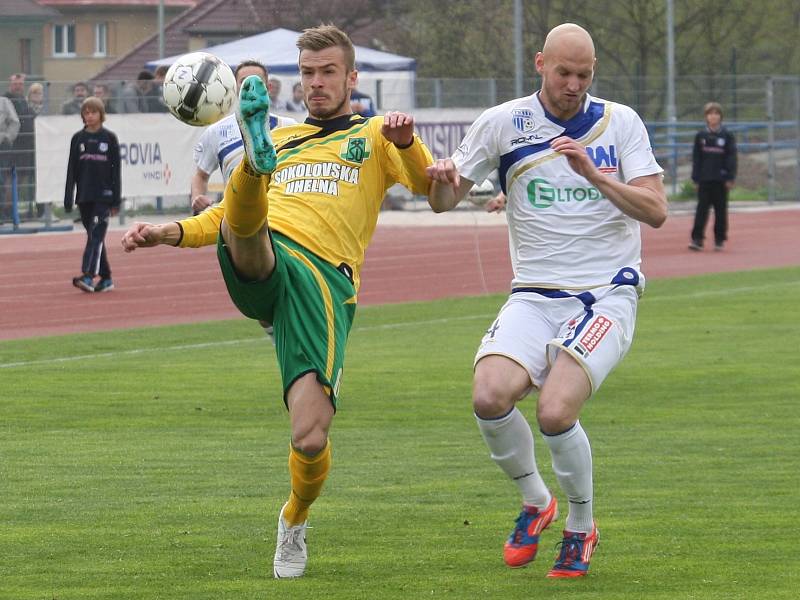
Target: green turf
x,y
151,463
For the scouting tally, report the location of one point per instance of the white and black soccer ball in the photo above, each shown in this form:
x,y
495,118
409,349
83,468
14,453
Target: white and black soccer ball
x,y
199,89
481,193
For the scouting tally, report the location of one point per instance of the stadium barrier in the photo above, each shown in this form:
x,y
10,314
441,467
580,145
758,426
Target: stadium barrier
x,y
157,157
17,224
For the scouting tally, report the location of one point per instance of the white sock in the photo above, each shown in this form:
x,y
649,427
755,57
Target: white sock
x,y
572,463
510,442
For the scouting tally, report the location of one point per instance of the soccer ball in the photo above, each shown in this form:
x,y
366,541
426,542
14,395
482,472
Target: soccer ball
x,y
199,89
481,193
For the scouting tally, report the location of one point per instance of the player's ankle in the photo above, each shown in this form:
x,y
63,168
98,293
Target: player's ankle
x,y
248,168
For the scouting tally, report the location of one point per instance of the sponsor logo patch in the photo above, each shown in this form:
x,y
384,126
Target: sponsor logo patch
x,y
543,195
596,332
526,139
604,158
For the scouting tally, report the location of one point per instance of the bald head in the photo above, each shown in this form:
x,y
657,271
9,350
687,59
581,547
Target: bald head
x,y
566,64
569,39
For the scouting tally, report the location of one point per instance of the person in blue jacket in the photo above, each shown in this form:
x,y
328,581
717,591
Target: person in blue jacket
x,y
713,173
94,184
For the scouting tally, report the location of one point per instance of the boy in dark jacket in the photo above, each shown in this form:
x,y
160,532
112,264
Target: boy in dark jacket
x,y
713,173
94,169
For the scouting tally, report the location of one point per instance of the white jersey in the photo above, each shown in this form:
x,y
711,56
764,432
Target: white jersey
x,y
563,233
220,145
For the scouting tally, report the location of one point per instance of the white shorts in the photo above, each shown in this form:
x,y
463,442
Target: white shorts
x,y
594,326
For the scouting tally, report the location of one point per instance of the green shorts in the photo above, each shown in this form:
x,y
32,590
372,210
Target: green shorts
x,y
311,305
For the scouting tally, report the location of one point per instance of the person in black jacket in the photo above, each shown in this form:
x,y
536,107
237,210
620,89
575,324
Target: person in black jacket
x,y
22,157
713,173
94,168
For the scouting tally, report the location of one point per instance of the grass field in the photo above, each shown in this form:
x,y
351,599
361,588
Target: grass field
x,y
151,463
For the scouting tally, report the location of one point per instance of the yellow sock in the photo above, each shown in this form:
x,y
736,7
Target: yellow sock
x,y
308,473
245,201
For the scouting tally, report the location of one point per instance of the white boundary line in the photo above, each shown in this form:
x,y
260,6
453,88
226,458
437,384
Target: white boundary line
x,y
200,346
403,325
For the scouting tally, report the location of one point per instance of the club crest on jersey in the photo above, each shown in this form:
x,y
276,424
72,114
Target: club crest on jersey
x,y
605,159
355,150
522,119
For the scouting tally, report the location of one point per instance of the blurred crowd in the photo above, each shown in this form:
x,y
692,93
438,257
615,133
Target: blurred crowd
x,y
22,103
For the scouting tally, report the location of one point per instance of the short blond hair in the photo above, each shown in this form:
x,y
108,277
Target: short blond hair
x,y
328,36
94,103
35,87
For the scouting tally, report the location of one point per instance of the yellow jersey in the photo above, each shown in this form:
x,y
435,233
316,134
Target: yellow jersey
x,y
328,187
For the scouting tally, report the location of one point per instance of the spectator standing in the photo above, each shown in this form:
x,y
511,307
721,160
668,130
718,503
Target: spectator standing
x,y
94,170
21,156
155,99
274,88
362,104
713,173
296,104
102,91
73,106
9,129
35,97
135,95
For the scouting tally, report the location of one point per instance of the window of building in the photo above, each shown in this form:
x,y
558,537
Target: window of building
x,y
25,55
64,40
100,39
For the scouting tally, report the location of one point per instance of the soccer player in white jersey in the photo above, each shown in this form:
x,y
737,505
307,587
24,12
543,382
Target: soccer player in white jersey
x,y
579,175
220,146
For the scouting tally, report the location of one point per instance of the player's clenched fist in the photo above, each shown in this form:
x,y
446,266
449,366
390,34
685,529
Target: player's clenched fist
x,y
398,128
444,171
142,235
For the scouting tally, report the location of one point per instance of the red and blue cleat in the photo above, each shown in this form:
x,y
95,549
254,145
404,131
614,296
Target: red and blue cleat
x,y
522,544
576,552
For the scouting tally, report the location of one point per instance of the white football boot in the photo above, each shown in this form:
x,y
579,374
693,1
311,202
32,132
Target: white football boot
x,y
291,554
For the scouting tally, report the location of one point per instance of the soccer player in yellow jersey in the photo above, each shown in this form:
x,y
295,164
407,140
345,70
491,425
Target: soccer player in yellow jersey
x,y
291,234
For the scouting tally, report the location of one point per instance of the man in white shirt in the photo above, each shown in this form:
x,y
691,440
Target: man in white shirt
x,y
579,176
220,145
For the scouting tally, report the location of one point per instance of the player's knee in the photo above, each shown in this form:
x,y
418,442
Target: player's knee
x,y
252,257
554,417
498,384
311,442
490,399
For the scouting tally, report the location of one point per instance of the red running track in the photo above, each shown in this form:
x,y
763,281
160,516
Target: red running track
x,y
161,286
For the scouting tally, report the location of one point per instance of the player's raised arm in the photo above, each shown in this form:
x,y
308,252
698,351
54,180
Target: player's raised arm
x,y
448,188
398,128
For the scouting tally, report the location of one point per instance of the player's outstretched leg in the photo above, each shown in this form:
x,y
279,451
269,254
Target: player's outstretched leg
x,y
291,554
252,115
576,553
